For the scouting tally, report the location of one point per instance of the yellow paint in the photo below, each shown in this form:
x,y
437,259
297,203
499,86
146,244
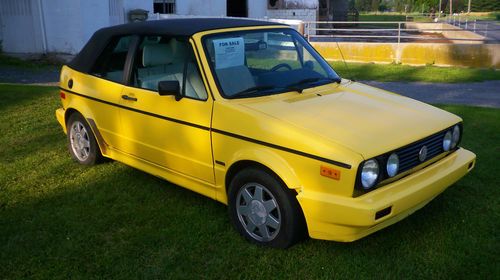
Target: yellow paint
x,y
467,55
346,123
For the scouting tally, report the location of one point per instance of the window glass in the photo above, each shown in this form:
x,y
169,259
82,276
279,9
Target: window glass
x,y
280,50
263,62
111,62
167,59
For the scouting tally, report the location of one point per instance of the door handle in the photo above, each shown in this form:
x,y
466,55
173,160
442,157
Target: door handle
x,y
126,97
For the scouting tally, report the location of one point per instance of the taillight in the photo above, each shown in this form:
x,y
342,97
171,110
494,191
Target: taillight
x,y
62,94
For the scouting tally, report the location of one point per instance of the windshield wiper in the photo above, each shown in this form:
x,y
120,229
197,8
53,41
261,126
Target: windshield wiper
x,y
251,91
297,86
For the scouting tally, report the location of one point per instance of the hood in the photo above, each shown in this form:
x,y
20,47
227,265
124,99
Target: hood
x,y
365,119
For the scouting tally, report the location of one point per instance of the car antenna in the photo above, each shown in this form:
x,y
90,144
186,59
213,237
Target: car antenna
x,y
345,63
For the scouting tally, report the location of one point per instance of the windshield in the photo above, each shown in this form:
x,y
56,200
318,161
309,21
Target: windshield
x,y
263,62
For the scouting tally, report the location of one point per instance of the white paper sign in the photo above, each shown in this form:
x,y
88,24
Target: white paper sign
x,y
229,52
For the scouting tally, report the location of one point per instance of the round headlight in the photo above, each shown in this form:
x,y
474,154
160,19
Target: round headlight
x,y
369,173
392,165
447,141
455,137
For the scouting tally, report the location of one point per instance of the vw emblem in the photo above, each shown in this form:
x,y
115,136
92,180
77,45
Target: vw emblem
x,y
422,154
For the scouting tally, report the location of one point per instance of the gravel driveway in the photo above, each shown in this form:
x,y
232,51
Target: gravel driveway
x,y
44,76
483,94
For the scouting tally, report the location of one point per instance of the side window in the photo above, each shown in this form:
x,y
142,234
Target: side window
x,y
194,87
167,59
110,64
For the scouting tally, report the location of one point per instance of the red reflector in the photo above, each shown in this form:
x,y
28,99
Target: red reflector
x,y
63,95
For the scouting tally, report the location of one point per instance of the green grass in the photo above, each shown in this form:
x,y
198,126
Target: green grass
x,y
38,64
398,72
495,16
60,220
382,17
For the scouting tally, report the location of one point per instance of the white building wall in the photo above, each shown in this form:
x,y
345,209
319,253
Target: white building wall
x,y
140,4
257,8
64,26
20,26
201,7
61,26
297,14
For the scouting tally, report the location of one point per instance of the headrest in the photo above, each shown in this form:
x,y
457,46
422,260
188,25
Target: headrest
x,y
157,54
180,49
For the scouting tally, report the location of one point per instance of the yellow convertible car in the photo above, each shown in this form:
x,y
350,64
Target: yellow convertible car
x,y
249,114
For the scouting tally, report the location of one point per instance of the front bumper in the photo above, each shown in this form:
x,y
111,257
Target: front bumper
x,y
332,217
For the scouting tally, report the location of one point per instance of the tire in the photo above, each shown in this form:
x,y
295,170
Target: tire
x,y
81,141
264,211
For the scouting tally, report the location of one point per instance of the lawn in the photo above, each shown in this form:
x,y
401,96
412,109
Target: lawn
x,y
382,17
60,220
41,63
398,72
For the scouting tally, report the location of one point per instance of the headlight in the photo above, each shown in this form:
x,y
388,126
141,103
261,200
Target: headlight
x,y
447,141
369,173
392,165
455,137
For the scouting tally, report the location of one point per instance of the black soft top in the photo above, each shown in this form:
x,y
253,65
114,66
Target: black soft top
x,y
185,27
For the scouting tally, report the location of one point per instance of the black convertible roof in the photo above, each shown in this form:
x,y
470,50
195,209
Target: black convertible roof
x,y
185,27
181,26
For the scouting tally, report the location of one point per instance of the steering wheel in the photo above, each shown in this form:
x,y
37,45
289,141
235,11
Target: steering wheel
x,y
281,65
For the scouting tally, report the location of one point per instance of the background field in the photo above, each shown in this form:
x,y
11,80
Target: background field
x,y
398,72
60,220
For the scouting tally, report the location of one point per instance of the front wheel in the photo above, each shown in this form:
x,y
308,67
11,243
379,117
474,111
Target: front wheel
x,y
81,141
263,210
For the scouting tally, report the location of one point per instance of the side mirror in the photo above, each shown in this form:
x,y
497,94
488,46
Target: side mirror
x,y
170,88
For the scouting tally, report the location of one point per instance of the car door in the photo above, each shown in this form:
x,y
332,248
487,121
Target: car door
x,y
105,85
164,131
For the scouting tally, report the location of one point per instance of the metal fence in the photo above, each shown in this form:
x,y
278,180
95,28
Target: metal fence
x,y
473,25
394,31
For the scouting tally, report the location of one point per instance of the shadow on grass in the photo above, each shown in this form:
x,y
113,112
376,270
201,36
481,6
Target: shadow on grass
x,y
14,95
124,223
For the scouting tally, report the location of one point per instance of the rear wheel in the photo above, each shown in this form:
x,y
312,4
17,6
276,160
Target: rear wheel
x,y
263,210
81,141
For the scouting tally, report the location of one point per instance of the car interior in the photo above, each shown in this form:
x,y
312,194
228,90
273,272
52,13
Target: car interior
x,y
164,59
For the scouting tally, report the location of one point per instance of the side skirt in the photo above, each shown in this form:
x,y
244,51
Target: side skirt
x,y
172,176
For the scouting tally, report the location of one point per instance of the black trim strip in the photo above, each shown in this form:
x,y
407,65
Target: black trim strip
x,y
241,137
337,163
138,111
220,162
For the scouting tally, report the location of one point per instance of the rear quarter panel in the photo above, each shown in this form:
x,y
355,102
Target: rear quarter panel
x,y
90,96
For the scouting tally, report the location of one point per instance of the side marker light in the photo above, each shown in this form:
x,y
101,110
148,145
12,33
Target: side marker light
x,y
329,172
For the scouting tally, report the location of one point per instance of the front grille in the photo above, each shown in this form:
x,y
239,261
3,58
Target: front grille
x,y
409,155
408,159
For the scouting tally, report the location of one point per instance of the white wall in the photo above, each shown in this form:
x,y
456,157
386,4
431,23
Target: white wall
x,y
140,4
201,7
64,25
257,8
69,24
301,14
20,26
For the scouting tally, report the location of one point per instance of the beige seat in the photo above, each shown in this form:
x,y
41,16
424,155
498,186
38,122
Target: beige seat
x,y
235,79
165,62
159,65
